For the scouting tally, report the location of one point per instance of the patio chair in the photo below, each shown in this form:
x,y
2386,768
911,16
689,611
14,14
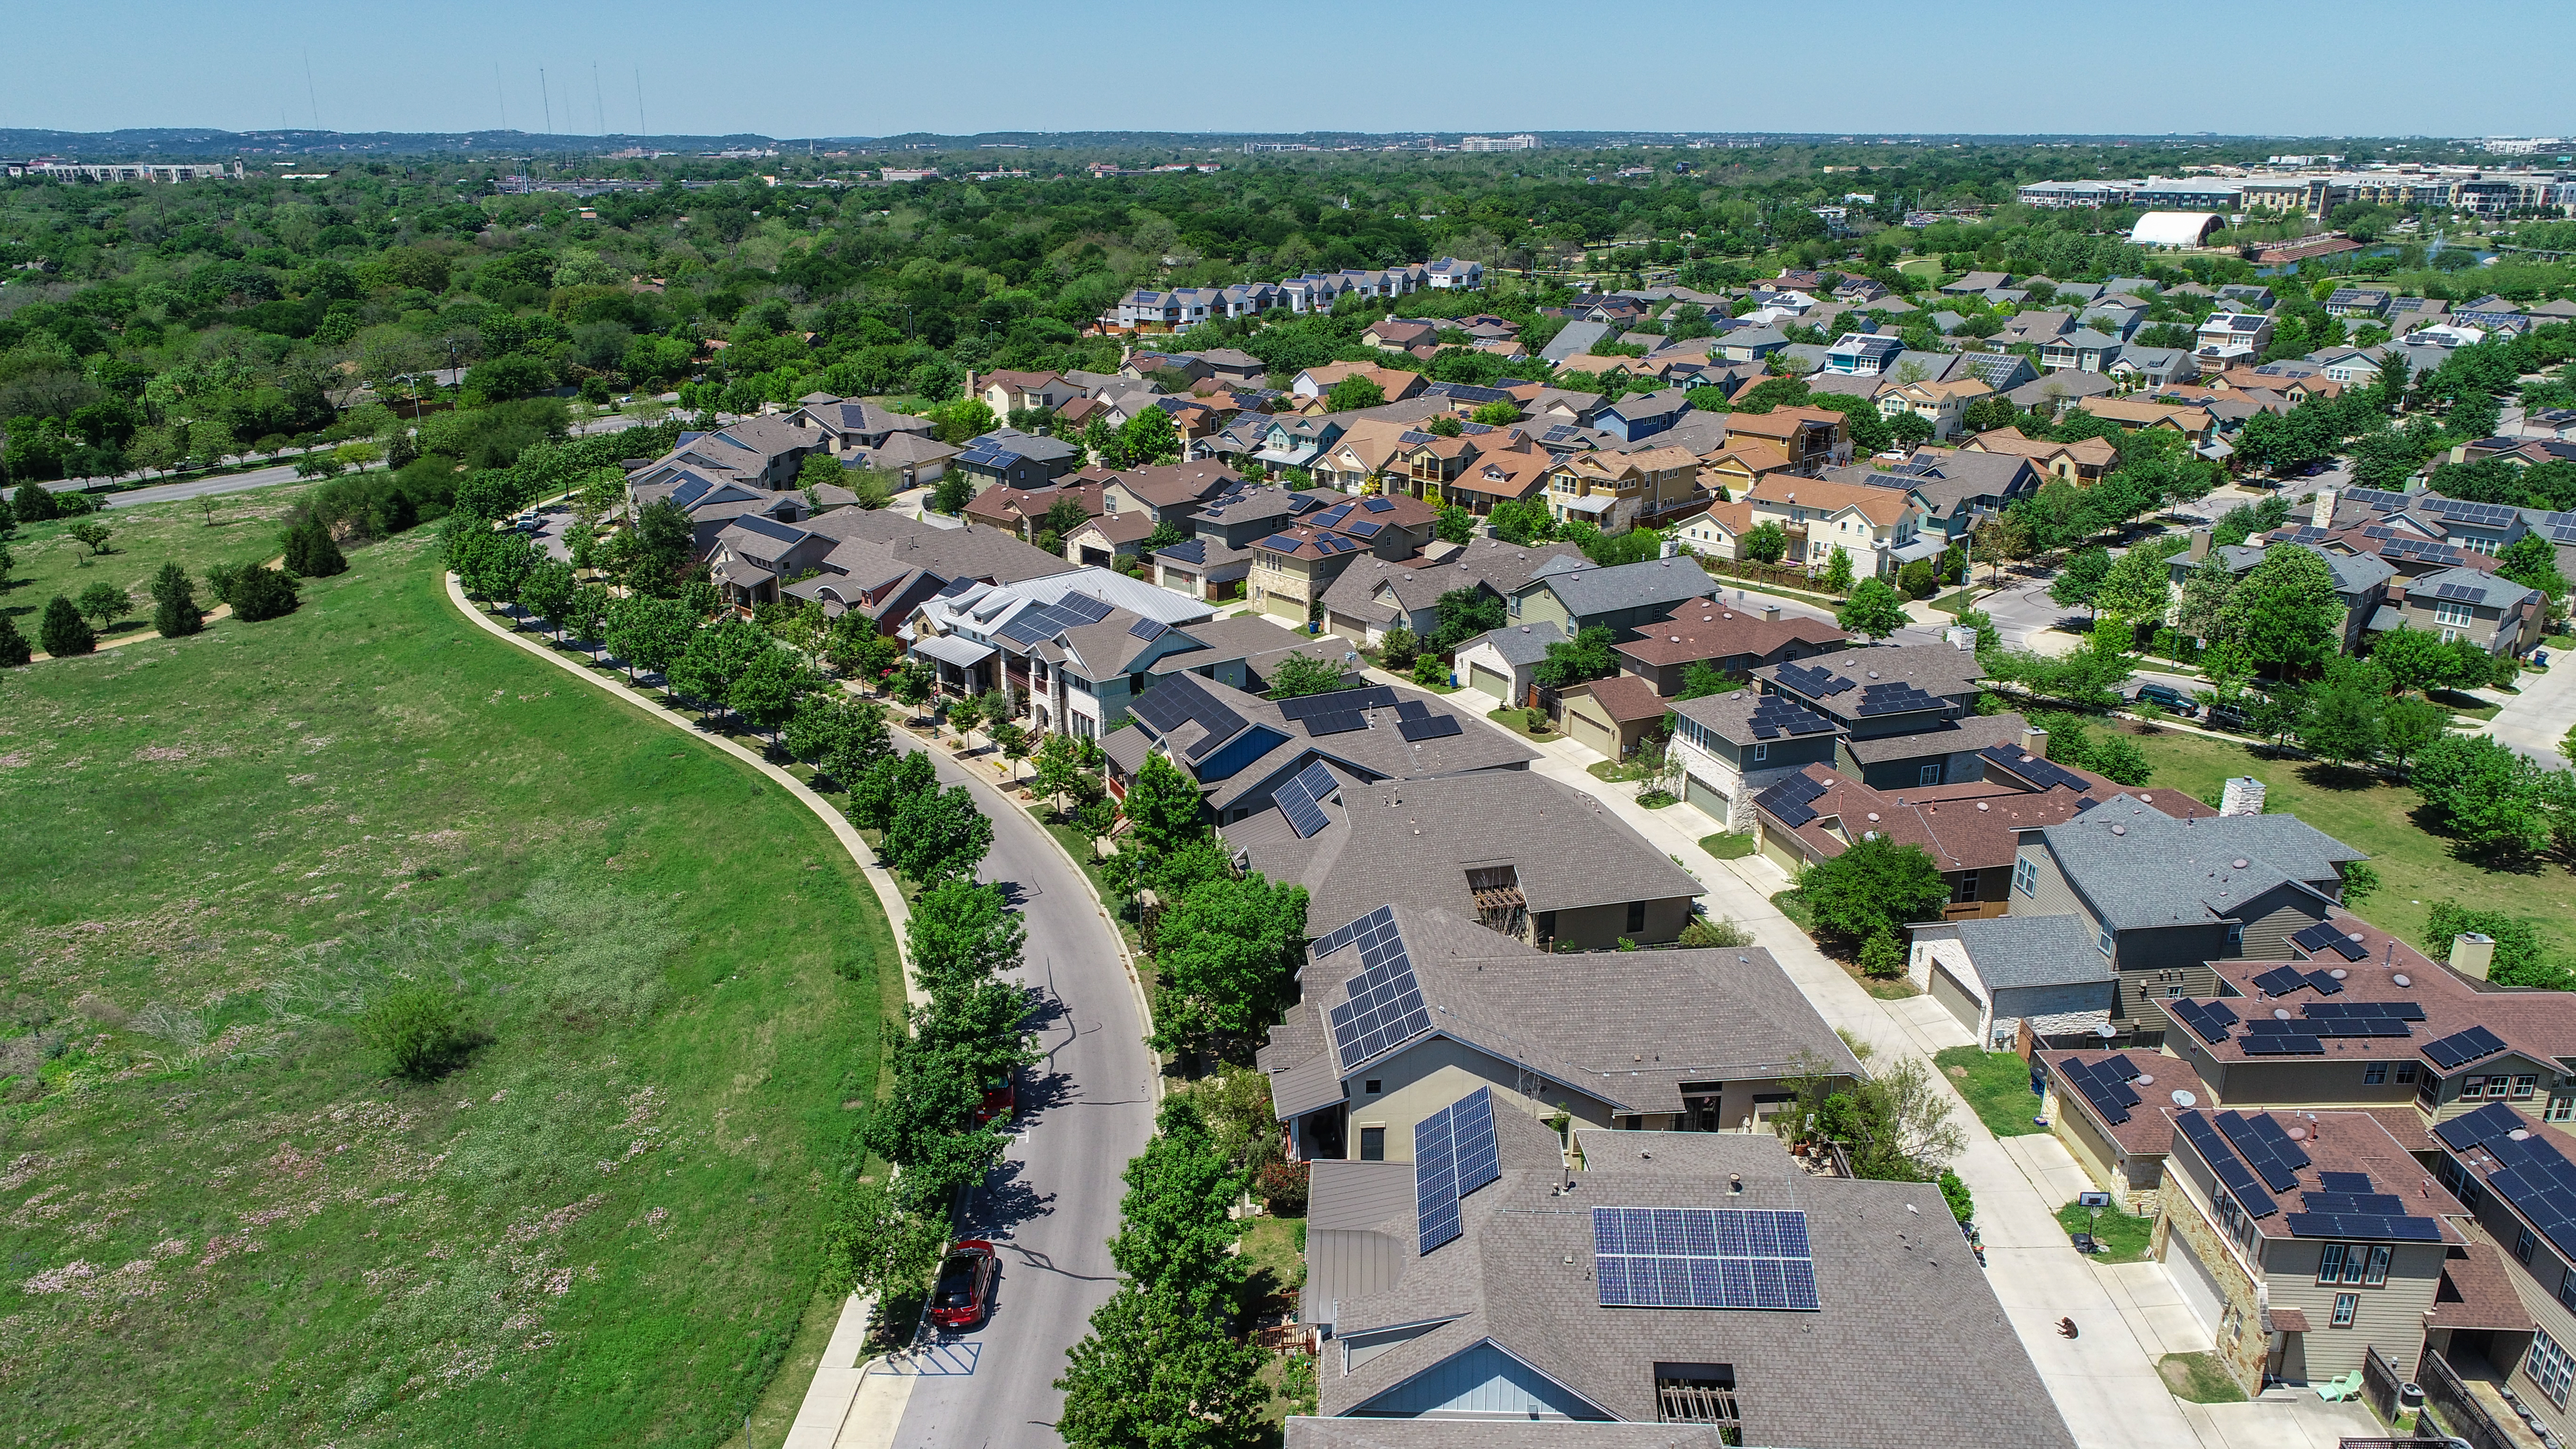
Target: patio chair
x,y
2336,1390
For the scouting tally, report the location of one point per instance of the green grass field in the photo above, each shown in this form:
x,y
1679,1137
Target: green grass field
x,y
226,1224
2416,868
244,529
1997,1086
2124,1239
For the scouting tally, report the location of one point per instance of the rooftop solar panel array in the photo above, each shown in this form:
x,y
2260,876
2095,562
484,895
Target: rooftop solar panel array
x,y
2530,1172
2363,1225
1453,1155
1301,800
1813,682
2231,1169
1778,715
2395,1010
1371,696
2204,1020
2105,1084
1149,629
1178,699
1385,1007
2327,936
1437,727
2265,1148
1703,1258
1792,799
2281,981
2459,591
2463,1047
2038,769
1048,620
1895,697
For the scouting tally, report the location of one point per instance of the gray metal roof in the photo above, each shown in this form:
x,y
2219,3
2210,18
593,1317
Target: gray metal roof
x,y
1592,592
2018,951
2494,591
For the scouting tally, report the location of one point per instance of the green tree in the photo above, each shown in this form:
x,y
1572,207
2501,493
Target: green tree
x,y
2493,799
1225,954
840,736
880,790
954,490
420,1030
1876,885
1838,571
1060,775
2415,659
1496,414
1149,438
91,535
103,603
174,603
1174,1232
586,614
649,634
1163,805
257,593
766,693
2201,613
2079,581
1573,661
1062,517
1352,393
1455,524
1700,679
1302,674
2346,718
714,658
2406,726
1520,523
1153,1374
874,1244
1766,542
311,553
547,592
1465,613
1882,955
2140,584
13,645
1873,609
63,631
2532,561
2284,615
936,836
961,933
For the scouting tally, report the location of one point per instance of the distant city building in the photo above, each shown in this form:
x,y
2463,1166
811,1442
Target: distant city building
x,y
126,170
1522,142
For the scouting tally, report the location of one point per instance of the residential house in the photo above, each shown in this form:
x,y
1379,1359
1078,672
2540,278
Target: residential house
x,y
1022,510
2079,462
2038,328
1243,750
1432,1335
2082,350
2053,394
1009,392
2002,371
1729,747
2502,1322
2302,1255
856,426
1503,663
1292,567
1863,354
1216,560
1375,596
1535,1028
884,565
2230,338
1400,334
2154,367
2193,423
1450,273
2361,580
1942,404
1868,523
1732,471
1814,438
2111,1109
1746,344
1732,639
2489,610
1013,637
1311,385
1907,712
712,502
1170,493
1017,459
1576,595
2367,302
1612,717
1102,541
1639,416
1516,474
1617,491
1957,490
1513,851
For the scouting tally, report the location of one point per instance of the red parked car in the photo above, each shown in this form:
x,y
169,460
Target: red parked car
x,y
965,1290
1001,1103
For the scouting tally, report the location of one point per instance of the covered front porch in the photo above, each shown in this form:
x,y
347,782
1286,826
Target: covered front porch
x,y
964,667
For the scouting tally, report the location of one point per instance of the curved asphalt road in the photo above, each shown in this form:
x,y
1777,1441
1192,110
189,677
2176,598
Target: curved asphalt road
x,y
1052,1206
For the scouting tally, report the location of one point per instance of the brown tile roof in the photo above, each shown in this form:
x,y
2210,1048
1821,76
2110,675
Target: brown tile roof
x,y
1705,629
1781,422
1881,506
2476,1292
2149,1130
2285,1320
1627,698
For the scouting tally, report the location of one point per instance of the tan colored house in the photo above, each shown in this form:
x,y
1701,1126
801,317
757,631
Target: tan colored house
x,y
1733,469
1716,531
1813,438
1008,392
1939,403
2192,423
1867,523
1613,491
1362,457
1613,716
2081,462
1508,474
1311,385
2121,1147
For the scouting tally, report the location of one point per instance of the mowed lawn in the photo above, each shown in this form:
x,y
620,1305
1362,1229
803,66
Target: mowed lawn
x,y
243,528
224,1224
2415,868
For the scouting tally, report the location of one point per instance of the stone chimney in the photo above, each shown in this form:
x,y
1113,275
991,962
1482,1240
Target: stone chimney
x,y
2323,517
1960,637
2472,954
2034,741
1770,613
2243,796
2199,545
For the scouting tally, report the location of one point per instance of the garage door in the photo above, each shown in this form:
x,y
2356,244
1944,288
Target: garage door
x,y
1955,998
1711,800
2191,1278
1490,682
1591,733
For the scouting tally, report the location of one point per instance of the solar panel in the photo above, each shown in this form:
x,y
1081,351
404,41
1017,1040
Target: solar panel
x,y
1777,714
1435,728
1369,696
2038,769
2337,1010
2463,1047
2459,591
1412,709
2343,1182
1895,698
1703,1258
1297,802
2324,983
2203,1025
2281,981
1453,1155
1384,1006
1789,799
1812,682
1340,723
2231,1170
2259,1150
2377,1204
1378,505
1149,629
2283,1046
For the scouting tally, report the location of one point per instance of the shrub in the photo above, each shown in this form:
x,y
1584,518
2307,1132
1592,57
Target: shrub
x,y
1281,1186
258,593
13,645
310,551
63,631
174,603
1963,1206
1881,955
1429,671
1703,932
418,1028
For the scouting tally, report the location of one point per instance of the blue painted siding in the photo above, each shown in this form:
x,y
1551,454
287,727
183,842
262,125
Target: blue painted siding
x,y
1481,1380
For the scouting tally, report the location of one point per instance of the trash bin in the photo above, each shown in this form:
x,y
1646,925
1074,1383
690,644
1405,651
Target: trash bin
x,y
2410,1397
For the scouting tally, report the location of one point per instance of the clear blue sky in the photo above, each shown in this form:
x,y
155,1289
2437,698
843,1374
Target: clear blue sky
x,y
2469,67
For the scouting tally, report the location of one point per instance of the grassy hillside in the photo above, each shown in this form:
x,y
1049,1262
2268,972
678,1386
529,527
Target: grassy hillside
x,y
225,1223
243,528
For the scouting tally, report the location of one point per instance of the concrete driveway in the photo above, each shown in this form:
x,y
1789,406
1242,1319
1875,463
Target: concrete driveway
x,y
2534,721
1086,1108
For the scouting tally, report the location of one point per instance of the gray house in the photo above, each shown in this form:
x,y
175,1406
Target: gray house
x,y
1999,973
2489,610
1576,595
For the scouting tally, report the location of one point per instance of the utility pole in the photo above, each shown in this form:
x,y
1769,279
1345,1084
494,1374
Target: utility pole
x,y
546,99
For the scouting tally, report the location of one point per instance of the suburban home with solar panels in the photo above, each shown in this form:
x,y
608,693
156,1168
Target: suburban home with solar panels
x,y
2169,901
1867,524
2360,580
1023,638
1519,853
1406,1009
2302,1240
1924,693
1292,567
2512,1331
2489,610
1021,460
1241,749
1732,745
875,561
1652,1291
2114,1112
1729,638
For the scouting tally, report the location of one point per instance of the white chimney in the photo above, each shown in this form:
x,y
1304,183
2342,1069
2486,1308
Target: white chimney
x,y
1960,637
2323,517
2472,954
2034,742
2243,796
1770,613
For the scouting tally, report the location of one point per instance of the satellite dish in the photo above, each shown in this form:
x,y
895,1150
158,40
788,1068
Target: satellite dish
x,y
2401,979
2106,1031
2182,1098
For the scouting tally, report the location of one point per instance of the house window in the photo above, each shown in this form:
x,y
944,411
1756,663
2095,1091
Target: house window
x,y
2561,1109
2173,993
2103,941
2346,1305
1930,775
2522,1247
2523,1084
1375,1086
2376,1074
1964,891
2498,1086
2377,1274
2567,1288
1699,1393
2235,940
1372,1144
2405,1071
1636,915
2457,616
2026,875
2549,1366
2330,1262
1761,753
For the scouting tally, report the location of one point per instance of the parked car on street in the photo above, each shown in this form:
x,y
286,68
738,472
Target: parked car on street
x,y
1001,1103
965,1290
2167,698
